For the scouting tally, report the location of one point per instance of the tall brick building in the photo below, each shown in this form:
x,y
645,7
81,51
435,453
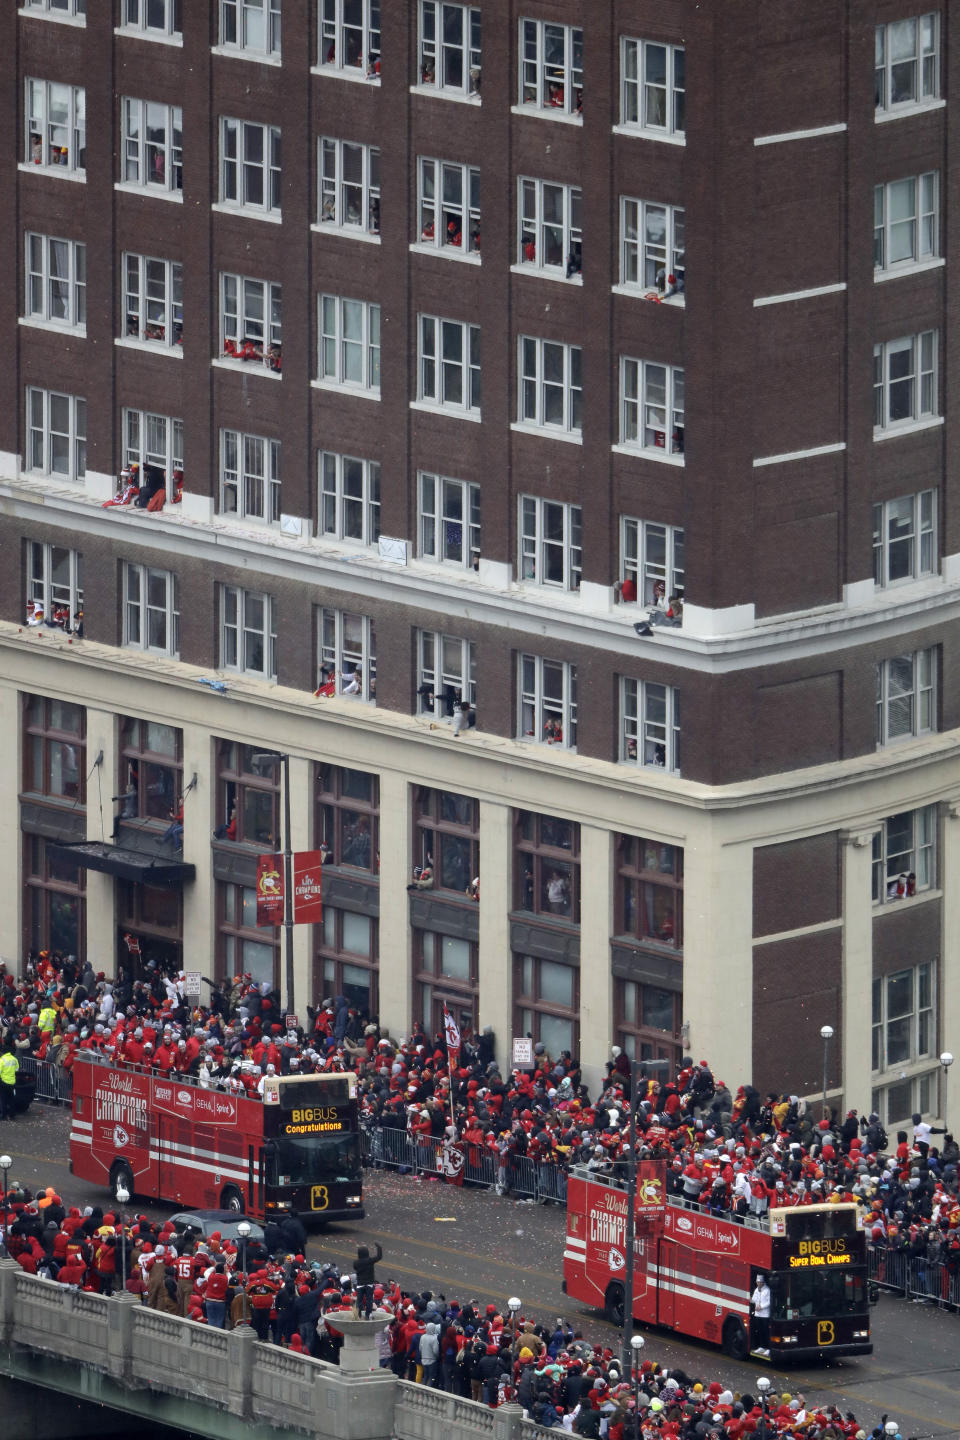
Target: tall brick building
x,y
389,302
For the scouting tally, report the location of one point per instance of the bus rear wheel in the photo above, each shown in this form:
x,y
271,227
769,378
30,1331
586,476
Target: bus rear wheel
x,y
121,1178
231,1199
735,1342
613,1304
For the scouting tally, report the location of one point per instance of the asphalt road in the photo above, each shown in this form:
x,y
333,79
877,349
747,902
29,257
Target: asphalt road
x,y
473,1245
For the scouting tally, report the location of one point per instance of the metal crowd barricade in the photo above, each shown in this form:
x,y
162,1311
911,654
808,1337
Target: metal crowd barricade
x,y
528,1179
887,1267
523,1177
914,1276
54,1085
480,1167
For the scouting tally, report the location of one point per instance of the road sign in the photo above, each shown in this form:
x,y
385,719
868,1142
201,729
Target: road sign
x,y
291,1022
522,1051
191,982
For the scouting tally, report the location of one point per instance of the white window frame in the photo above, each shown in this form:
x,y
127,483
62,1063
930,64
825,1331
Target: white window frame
x,y
336,39
251,319
56,281
918,231
550,543
537,234
240,628
337,192
448,364
920,1031
534,385
652,554
249,477
651,103
917,856
44,589
144,609
916,517
920,382
537,708
148,163
336,631
58,9
906,697
236,19
150,439
548,82
348,505
652,238
64,137
340,315
443,506
244,176
153,301
922,1092
68,428
650,395
435,49
446,671
448,195
649,725
924,57
138,14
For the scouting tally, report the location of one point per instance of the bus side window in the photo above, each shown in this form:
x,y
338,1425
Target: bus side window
x,y
270,1162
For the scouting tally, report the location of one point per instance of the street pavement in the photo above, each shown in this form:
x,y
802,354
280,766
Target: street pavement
x,y
473,1244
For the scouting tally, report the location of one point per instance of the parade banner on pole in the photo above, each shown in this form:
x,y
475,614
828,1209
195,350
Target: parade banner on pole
x,y
307,888
269,890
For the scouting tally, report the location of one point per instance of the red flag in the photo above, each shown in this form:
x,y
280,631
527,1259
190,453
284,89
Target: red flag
x,y
307,900
269,889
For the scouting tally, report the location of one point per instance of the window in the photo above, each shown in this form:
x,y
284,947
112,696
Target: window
x,y
156,17
551,67
906,226
550,228
905,538
449,206
57,8
446,971
896,1103
546,855
646,1020
649,894
649,724
350,36
54,904
248,633
54,744
55,580
151,610
904,855
251,320
250,166
905,381
347,658
546,998
449,520
244,947
651,406
249,476
345,959
252,26
907,62
906,696
56,126
904,1017
153,300
449,364
548,701
350,343
349,506
348,818
56,434
551,385
151,770
446,674
652,245
349,186
56,281
447,837
652,556
248,794
154,441
652,87
550,542
450,47
153,145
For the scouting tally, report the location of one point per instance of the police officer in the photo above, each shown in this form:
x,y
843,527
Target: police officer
x,y
9,1066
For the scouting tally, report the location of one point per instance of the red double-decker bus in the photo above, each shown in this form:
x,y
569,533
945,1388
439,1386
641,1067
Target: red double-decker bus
x,y
695,1272
164,1137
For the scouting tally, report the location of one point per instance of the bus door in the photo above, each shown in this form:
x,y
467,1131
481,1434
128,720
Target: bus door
x,y
667,1254
168,1180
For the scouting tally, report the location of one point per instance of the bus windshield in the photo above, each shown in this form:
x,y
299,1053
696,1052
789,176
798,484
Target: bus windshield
x,y
795,1294
314,1159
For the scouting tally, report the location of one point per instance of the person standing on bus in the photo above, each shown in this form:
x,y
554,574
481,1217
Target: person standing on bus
x,y
760,1313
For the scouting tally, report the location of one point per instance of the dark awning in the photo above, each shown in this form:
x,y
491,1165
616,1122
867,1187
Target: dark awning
x,y
126,864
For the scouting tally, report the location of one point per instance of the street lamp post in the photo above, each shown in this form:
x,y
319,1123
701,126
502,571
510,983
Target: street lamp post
x,y
243,1231
513,1305
891,1428
637,1343
122,1196
946,1060
5,1163
763,1385
826,1035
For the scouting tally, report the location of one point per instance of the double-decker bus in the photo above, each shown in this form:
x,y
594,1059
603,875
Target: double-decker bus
x,y
694,1272
164,1137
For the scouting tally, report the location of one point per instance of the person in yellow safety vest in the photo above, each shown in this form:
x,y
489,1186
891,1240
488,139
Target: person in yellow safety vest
x,y
9,1065
47,1020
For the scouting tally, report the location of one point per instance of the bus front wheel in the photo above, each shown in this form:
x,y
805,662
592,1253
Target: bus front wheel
x,y
121,1178
613,1304
735,1341
231,1199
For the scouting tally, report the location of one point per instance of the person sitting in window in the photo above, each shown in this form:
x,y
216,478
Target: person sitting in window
x,y
373,68
558,893
556,96
474,79
328,683
350,682
128,488
575,259
423,876
328,210
154,480
428,232
552,731
625,590
36,149
672,615
274,358
530,250
454,236
428,73
375,216
463,715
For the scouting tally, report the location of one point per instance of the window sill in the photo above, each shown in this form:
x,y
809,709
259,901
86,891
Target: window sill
x,y
62,172
156,192
907,902
909,427
246,367
659,769
645,292
540,274
346,232
352,73
448,252
48,477
259,676
338,388
642,452
79,22
80,331
548,432
271,216
448,410
547,113
880,277
547,745
150,347
639,132
133,32
440,92
236,52
902,112
230,520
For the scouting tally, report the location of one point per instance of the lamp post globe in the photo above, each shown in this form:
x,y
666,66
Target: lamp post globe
x,y
122,1196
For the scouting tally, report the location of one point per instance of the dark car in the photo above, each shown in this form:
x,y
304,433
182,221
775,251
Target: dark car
x,y
205,1222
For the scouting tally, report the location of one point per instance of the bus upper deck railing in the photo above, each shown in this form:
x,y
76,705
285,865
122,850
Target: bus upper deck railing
x,y
676,1202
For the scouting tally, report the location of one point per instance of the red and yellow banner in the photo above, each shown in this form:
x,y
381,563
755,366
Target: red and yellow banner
x,y
269,889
